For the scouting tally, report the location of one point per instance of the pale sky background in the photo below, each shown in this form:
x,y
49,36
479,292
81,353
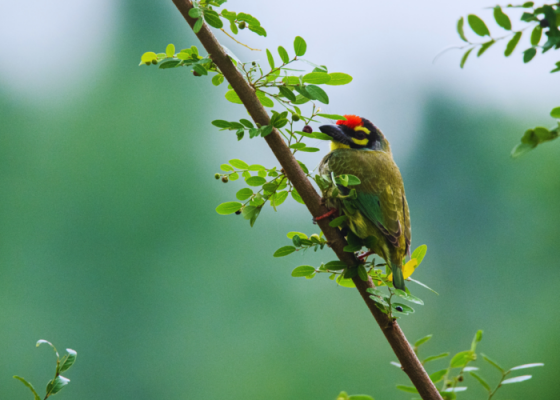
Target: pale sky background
x,y
52,53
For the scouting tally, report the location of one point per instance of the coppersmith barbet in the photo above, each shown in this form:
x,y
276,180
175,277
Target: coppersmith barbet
x,y
380,209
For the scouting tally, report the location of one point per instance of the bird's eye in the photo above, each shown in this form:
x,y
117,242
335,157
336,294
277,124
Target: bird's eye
x,y
360,135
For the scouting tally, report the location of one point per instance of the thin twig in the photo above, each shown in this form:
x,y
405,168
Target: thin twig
x,y
237,41
393,333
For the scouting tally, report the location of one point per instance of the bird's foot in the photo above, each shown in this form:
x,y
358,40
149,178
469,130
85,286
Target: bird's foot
x,y
325,215
363,256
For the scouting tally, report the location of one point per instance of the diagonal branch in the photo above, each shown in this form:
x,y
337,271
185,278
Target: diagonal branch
x,y
410,363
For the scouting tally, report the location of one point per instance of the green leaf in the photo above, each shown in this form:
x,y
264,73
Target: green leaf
x,y
501,18
493,363
198,25
255,181
517,379
465,56
292,234
478,26
291,80
536,35
217,79
408,297
455,389
335,223
270,59
229,15
359,397
342,396
220,123
300,47
408,389
352,180
287,93
555,113
256,167
462,358
512,44
333,116
405,309
265,101
339,78
420,342
484,47
234,176
68,361
335,265
529,54
228,208
233,97
477,338
521,149
301,99
246,123
213,19
320,136
423,285
266,130
259,30
317,93
533,365
297,197
379,300
29,385
244,194
56,385
170,50
279,198
283,55
233,27
284,251
433,358
362,273
481,381
226,167
239,164
310,149
419,253
460,29
303,270
438,376
195,12
316,78
200,69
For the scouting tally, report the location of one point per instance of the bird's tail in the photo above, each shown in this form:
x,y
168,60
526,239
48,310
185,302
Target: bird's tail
x,y
398,279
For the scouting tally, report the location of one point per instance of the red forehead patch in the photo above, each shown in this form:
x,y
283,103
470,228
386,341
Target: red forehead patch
x,y
351,122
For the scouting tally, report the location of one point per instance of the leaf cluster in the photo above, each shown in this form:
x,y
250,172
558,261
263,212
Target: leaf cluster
x,y
56,384
542,21
452,379
535,136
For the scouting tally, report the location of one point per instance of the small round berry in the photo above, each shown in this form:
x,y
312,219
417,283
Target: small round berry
x,y
544,23
295,117
154,62
225,179
307,129
242,25
217,176
195,73
238,212
254,64
460,378
148,62
399,308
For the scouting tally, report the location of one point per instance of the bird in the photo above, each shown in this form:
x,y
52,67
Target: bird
x,y
379,207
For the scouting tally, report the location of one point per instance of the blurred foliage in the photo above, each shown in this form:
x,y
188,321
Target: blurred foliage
x,y
59,382
542,19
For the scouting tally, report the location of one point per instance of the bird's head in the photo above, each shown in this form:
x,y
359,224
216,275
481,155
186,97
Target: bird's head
x,y
355,133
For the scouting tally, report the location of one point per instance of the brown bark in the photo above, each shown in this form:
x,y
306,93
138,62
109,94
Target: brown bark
x,y
410,363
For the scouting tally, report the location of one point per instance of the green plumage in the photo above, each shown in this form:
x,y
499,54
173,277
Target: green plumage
x,y
380,209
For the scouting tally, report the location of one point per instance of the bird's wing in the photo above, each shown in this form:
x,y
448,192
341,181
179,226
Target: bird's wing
x,y
381,208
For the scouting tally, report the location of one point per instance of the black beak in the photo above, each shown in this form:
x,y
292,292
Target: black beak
x,y
336,133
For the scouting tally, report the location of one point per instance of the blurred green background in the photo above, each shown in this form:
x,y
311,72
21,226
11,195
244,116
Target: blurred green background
x,y
110,244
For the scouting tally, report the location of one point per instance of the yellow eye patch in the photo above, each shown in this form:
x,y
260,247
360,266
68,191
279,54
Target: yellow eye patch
x,y
363,129
361,142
